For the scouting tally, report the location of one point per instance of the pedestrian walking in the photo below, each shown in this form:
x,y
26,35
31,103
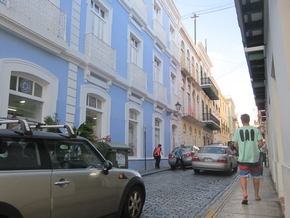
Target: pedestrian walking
x,y
178,156
263,157
248,140
157,156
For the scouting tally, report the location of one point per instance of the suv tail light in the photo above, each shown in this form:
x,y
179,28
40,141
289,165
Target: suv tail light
x,y
222,160
195,158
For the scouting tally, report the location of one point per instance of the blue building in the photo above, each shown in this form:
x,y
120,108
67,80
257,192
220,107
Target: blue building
x,y
112,63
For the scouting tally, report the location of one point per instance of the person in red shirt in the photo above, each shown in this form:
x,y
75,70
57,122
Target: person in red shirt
x,y
157,156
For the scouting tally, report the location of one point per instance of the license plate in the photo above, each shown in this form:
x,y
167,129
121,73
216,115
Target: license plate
x,y
207,160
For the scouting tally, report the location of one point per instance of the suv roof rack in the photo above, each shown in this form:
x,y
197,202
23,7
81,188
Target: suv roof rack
x,y
27,126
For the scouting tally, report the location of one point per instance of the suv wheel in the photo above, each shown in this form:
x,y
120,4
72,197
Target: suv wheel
x,y
134,203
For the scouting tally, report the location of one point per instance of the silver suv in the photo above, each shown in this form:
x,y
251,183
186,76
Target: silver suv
x,y
44,174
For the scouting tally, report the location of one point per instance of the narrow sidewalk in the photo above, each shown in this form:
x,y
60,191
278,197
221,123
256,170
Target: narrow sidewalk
x,y
230,204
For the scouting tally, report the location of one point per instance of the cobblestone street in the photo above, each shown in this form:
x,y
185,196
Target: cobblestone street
x,y
183,193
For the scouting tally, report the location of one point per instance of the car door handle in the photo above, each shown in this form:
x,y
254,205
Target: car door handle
x,y
62,183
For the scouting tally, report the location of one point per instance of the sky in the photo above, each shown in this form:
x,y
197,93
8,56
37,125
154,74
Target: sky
x,y
218,30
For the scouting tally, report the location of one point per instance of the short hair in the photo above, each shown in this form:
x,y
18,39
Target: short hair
x,y
245,118
159,145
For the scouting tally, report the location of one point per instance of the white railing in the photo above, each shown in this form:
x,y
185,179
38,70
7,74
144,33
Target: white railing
x,y
100,51
136,76
140,7
174,50
159,31
41,12
159,92
173,100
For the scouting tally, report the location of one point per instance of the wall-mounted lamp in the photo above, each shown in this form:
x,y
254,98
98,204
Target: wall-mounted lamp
x,y
178,106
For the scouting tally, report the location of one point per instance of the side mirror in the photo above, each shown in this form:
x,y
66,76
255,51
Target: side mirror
x,y
107,165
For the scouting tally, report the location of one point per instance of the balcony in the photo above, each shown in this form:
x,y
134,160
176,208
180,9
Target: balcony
x,y
159,92
174,51
137,8
173,100
37,21
190,115
185,67
211,121
136,76
160,33
101,54
209,88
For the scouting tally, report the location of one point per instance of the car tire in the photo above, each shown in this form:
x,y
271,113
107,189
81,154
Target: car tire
x,y
134,203
196,171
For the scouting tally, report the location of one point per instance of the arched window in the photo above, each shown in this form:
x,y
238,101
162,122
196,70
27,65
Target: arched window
x,y
134,129
25,97
27,90
96,109
158,130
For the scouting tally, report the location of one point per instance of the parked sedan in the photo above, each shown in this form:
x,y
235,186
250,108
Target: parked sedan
x,y
216,158
187,154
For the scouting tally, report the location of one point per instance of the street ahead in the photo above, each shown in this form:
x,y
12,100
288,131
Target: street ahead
x,y
183,193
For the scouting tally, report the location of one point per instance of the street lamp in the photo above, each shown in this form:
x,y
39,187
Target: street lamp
x,y
178,106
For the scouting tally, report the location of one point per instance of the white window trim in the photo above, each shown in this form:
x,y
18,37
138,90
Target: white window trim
x,y
109,19
160,79
34,72
106,106
162,130
159,18
134,106
140,48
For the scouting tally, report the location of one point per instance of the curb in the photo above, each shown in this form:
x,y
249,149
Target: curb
x,y
153,172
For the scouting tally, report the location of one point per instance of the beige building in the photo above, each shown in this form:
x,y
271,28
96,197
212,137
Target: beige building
x,y
224,121
233,123
200,118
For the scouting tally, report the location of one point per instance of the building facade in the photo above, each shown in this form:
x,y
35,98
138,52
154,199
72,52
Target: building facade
x,y
120,65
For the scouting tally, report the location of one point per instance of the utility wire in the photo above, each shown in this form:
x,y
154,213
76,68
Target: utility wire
x,y
209,10
238,66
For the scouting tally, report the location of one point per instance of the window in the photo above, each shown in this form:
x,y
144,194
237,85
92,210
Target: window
x,y
98,20
157,134
72,155
172,33
157,12
133,132
173,84
157,70
135,50
25,98
100,17
95,109
94,114
97,10
21,154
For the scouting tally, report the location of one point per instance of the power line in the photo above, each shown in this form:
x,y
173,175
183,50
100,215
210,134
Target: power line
x,y
210,10
236,67
224,60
